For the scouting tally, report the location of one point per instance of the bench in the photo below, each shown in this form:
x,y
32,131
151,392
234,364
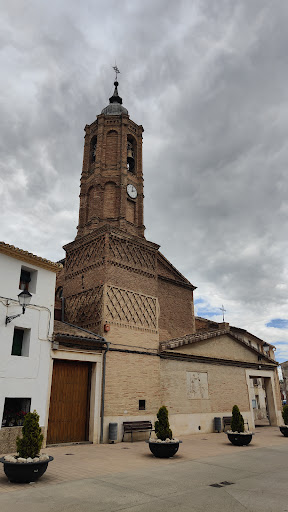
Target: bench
x,y
136,426
227,421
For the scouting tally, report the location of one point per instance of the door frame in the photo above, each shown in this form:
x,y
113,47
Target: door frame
x,y
274,412
95,388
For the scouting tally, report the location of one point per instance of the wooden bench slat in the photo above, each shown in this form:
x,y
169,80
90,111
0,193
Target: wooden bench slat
x,y
136,426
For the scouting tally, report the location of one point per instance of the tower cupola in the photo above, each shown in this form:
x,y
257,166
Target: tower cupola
x,y
115,107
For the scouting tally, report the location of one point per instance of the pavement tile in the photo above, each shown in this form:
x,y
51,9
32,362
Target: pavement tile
x,y
126,476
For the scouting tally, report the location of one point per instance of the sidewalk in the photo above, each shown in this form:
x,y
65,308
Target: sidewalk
x,y
87,461
126,477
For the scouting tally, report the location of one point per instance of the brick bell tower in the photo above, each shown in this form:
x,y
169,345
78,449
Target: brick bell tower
x,y
112,275
112,179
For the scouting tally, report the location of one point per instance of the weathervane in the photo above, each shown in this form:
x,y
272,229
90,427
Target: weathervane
x,y
116,71
223,311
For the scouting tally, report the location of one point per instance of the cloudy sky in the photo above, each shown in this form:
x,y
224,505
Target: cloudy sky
x,y
208,81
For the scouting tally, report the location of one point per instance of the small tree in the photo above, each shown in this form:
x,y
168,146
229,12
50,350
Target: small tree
x,y
162,427
237,423
285,414
32,438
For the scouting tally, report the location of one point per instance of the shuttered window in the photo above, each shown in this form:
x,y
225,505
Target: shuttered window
x,y
17,342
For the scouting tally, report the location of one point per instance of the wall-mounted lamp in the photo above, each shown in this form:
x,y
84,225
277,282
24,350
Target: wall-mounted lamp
x,y
24,299
266,348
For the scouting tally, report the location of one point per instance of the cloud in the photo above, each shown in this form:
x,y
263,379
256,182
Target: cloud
x,y
208,81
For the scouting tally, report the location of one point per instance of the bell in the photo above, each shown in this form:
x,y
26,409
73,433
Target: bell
x,y
130,153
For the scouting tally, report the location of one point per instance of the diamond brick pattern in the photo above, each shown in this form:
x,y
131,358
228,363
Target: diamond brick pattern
x,y
131,308
131,254
85,307
86,255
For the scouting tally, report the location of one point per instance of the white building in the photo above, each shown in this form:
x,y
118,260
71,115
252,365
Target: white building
x,y
25,339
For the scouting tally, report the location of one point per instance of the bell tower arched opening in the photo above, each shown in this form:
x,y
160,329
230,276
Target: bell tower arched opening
x,y
131,154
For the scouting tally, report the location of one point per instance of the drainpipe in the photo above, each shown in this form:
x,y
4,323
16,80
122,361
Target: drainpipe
x,y
103,393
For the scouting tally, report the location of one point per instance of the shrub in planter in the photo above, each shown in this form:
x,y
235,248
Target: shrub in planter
x,y
237,423
285,414
284,428
164,446
162,427
28,466
237,435
32,438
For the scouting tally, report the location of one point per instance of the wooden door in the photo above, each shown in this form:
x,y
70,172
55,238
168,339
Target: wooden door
x,y
69,402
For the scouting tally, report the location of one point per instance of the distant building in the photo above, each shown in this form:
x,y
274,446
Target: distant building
x,y
284,383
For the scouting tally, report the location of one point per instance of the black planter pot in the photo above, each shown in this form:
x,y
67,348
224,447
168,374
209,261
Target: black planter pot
x,y
284,430
163,450
25,472
239,439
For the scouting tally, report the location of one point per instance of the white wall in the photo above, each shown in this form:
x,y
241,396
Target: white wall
x,y
21,376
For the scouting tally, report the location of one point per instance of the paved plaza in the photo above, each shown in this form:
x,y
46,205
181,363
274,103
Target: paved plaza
x,y
125,476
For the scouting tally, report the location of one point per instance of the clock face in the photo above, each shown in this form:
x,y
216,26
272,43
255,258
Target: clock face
x,y
131,191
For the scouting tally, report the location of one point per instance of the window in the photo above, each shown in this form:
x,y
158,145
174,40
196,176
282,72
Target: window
x,y
28,278
15,410
142,405
25,279
21,341
93,148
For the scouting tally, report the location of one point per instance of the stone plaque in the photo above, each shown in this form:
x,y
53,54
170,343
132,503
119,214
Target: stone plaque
x,y
197,385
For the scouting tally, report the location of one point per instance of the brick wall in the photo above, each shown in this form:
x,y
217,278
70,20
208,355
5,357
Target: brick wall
x,y
130,378
226,387
111,203
176,310
111,150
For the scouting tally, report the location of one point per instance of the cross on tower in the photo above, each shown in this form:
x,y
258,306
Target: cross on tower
x,y
223,311
116,71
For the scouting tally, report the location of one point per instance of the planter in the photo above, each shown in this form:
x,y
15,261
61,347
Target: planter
x,y
284,430
24,472
239,439
163,450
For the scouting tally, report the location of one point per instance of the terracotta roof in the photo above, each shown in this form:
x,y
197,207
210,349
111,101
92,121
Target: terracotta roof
x,y
191,338
62,329
200,336
232,329
20,254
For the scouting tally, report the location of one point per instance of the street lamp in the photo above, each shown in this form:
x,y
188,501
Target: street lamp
x,y
24,299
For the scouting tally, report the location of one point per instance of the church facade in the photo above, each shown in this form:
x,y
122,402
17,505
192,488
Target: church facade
x,y
125,330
